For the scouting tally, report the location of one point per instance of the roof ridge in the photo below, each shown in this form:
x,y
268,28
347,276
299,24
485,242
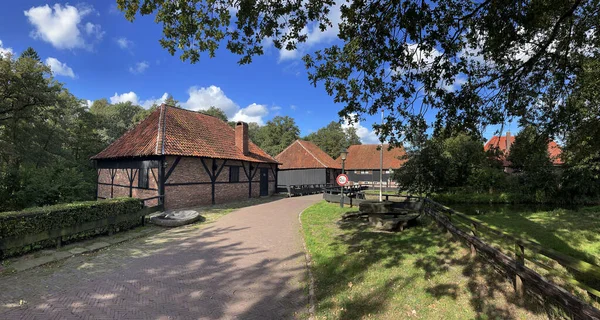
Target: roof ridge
x,y
311,153
158,135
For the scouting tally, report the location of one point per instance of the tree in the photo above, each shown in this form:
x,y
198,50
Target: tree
x,y
332,138
31,54
477,63
215,112
529,156
277,135
115,119
170,101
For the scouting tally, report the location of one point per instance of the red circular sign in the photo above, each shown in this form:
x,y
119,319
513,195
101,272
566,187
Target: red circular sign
x,y
342,180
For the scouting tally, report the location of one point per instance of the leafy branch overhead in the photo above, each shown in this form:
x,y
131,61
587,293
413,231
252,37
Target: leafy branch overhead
x,y
472,63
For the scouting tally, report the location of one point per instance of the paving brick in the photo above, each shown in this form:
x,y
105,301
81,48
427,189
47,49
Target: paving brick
x,y
247,265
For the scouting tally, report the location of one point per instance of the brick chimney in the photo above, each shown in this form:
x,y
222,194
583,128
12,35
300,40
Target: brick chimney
x,y
508,141
241,137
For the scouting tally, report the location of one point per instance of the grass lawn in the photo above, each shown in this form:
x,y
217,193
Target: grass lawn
x,y
419,273
574,232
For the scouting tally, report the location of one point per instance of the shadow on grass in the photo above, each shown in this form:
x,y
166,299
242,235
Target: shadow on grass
x,y
360,273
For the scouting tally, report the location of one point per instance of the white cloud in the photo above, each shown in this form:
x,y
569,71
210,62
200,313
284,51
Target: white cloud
x,y
204,97
252,113
124,97
139,67
314,34
135,99
5,51
293,107
366,136
60,26
275,108
148,103
94,30
124,43
59,68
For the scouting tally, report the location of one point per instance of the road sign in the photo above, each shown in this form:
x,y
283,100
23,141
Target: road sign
x,y
342,180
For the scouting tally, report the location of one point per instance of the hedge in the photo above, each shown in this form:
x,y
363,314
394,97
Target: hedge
x,y
14,224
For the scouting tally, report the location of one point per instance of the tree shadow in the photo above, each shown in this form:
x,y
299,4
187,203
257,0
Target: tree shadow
x,y
359,250
180,273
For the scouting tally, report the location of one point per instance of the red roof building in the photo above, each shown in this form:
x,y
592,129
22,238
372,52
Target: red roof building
x,y
363,163
181,158
303,162
503,144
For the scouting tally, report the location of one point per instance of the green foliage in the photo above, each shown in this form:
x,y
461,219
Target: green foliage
x,y
215,112
31,54
332,138
476,62
276,135
37,220
440,164
115,119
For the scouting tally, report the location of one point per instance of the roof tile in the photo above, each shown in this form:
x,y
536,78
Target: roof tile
x,y
305,155
367,156
183,133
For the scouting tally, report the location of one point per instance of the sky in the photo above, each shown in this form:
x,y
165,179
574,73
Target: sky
x,y
97,53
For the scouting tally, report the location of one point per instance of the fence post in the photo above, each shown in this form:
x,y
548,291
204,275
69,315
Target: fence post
x,y
474,233
520,261
449,215
58,242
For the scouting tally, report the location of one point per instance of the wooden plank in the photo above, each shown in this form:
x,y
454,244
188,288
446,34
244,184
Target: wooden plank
x,y
529,277
564,259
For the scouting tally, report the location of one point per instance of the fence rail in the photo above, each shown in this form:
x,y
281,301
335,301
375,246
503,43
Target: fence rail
x,y
301,189
470,230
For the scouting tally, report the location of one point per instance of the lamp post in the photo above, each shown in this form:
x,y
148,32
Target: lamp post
x,y
343,155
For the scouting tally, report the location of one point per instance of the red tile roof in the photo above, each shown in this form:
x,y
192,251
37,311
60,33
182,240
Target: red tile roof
x,y
305,155
366,156
175,131
500,142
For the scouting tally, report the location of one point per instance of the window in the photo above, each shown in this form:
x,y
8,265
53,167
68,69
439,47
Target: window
x,y
357,172
143,178
234,174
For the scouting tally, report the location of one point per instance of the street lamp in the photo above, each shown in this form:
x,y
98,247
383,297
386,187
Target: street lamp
x,y
343,155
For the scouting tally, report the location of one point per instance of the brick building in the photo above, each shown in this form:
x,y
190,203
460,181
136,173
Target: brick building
x,y
302,162
181,158
363,164
503,144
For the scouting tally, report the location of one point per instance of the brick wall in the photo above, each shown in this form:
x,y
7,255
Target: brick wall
x,y
191,170
188,170
121,185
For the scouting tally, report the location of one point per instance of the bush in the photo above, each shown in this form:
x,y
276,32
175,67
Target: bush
x,y
15,224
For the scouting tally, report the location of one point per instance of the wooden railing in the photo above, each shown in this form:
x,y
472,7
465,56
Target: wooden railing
x,y
525,251
301,189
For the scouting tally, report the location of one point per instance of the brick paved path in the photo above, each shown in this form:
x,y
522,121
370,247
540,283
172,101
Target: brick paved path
x,y
248,265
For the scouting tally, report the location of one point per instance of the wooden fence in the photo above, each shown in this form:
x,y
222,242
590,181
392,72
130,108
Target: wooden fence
x,y
301,189
526,253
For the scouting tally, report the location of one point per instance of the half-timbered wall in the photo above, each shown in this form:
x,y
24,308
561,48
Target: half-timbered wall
x,y
190,183
116,183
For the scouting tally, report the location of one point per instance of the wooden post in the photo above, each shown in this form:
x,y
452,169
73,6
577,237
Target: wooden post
x,y
520,261
449,214
58,242
474,233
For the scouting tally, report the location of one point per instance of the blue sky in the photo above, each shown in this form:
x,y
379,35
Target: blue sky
x,y
97,53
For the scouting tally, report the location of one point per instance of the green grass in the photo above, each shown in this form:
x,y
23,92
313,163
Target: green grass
x,y
419,273
574,232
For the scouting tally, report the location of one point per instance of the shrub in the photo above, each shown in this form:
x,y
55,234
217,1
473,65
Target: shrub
x,y
15,224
